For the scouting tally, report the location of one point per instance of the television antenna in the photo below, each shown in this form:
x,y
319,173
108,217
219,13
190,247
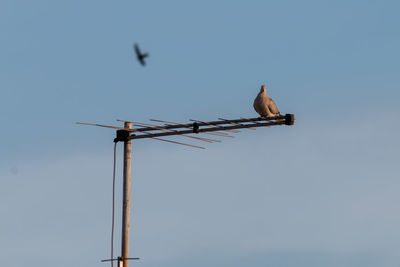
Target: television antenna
x,y
219,128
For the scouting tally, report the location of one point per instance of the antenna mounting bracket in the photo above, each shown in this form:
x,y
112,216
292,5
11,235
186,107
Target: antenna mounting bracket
x,y
122,136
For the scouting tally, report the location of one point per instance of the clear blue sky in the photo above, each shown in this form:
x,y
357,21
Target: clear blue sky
x,y
324,192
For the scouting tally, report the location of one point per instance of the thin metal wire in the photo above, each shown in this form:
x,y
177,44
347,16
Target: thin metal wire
x,y
107,126
179,143
174,142
119,258
100,125
113,205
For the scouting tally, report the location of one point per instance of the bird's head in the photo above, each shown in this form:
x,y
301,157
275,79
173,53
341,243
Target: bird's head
x,y
263,89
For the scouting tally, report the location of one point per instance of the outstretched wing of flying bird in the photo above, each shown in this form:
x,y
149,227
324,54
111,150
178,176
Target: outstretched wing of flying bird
x,y
137,49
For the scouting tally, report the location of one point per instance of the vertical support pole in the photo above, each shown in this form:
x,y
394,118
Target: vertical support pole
x,y
126,198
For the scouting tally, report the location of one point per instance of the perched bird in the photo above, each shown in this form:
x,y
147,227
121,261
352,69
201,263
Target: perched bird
x,y
139,55
264,105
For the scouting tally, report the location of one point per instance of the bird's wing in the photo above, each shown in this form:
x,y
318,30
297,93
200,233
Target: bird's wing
x,y
137,50
272,106
260,105
256,105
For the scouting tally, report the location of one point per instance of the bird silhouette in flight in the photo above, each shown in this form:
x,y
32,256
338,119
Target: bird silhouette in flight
x,y
140,56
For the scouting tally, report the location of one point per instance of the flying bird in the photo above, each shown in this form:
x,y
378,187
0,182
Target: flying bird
x,y
264,105
140,56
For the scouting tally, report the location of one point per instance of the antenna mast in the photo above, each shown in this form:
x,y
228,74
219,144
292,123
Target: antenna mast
x,y
126,196
150,131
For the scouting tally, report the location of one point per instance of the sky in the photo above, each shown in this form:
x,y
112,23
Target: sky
x,y
323,192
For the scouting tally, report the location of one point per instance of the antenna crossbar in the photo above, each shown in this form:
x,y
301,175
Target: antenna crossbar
x,y
219,127
219,122
209,129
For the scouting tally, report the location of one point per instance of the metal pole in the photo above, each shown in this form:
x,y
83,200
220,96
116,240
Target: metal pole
x,y
126,198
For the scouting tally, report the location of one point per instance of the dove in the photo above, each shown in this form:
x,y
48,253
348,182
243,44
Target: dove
x,y
264,105
140,56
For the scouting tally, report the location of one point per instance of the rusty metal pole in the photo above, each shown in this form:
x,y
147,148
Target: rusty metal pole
x,y
126,198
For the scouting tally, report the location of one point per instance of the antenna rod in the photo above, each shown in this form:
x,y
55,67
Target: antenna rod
x,y
126,197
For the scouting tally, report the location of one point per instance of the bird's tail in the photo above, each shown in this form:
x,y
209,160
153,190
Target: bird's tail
x,y
145,55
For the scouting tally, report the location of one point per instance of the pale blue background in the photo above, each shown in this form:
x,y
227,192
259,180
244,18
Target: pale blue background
x,y
324,192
